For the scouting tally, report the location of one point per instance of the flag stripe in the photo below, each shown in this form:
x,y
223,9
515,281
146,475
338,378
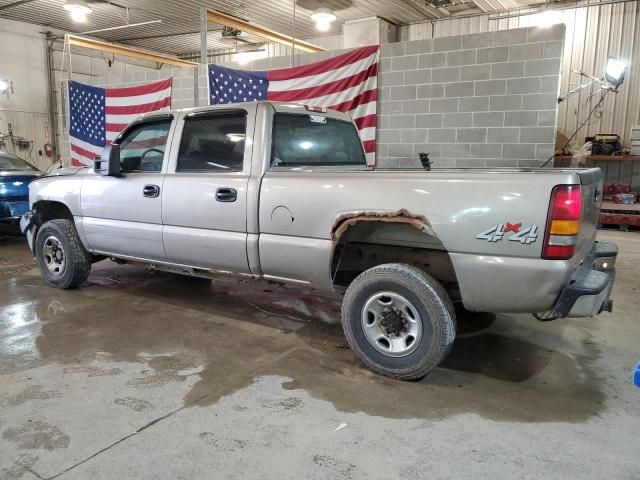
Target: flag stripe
x,y
137,109
327,88
321,67
369,146
139,99
364,97
364,122
330,76
140,90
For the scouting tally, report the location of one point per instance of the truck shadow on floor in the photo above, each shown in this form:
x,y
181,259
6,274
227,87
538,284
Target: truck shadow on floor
x,y
493,371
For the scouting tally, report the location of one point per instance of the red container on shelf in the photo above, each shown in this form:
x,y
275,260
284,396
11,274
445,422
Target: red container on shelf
x,y
621,188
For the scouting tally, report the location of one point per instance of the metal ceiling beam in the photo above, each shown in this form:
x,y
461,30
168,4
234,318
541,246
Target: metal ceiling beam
x,y
427,10
15,4
127,51
215,16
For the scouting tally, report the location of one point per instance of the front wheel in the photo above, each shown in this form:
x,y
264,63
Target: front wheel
x,y
63,261
398,320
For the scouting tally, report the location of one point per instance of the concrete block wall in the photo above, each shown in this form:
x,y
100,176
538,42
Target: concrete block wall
x,y
483,100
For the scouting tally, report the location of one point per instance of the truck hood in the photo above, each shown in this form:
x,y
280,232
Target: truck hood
x,y
64,172
16,184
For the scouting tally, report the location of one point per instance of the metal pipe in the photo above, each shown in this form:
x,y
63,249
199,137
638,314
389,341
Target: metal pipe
x,y
120,27
15,4
51,96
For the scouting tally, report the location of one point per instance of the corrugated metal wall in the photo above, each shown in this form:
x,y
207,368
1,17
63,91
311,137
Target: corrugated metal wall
x,y
593,34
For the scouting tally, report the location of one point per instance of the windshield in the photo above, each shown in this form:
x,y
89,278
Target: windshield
x,y
11,162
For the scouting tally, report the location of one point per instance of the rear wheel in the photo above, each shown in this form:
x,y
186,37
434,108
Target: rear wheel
x,y
63,261
398,320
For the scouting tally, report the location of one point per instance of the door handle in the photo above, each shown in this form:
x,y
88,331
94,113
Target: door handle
x,y
151,191
226,194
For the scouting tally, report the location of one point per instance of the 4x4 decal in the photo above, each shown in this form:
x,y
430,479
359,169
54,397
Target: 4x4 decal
x,y
524,235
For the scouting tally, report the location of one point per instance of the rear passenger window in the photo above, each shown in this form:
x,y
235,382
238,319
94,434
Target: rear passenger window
x,y
213,143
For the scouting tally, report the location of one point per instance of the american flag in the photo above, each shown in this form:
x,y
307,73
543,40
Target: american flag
x,y
98,115
347,83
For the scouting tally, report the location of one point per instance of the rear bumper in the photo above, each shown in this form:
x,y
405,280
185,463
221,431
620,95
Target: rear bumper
x,y
589,290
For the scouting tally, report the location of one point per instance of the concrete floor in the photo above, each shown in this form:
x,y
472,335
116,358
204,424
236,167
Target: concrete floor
x,y
141,375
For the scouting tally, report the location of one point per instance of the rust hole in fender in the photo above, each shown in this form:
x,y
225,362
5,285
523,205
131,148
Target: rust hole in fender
x,y
345,220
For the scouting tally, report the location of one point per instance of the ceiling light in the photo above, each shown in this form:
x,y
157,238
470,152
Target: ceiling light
x,y
323,18
78,9
615,71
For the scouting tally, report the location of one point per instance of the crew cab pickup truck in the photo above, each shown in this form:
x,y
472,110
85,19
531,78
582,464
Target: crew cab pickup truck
x,y
282,191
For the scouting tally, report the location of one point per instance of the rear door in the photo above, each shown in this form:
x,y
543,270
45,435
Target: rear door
x,y
122,215
204,207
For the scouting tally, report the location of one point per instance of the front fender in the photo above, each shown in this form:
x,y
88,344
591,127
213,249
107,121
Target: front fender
x,y
29,229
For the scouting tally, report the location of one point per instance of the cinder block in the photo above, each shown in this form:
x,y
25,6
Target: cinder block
x,y
456,150
503,135
461,57
384,93
506,102
499,163
433,149
434,90
457,119
555,32
418,46
382,122
442,135
414,135
400,150
493,54
491,87
432,60
445,44
474,104
384,162
395,49
544,150
550,66
518,150
385,64
547,118
403,121
523,85
539,101
538,135
402,93
510,37
477,40
459,89
488,119
526,51
414,77
409,162
389,79
444,163
486,150
389,136
530,163
521,119
429,120
507,70
475,72
404,63
470,163
444,105
415,106
389,107
549,84
445,75
553,49
471,135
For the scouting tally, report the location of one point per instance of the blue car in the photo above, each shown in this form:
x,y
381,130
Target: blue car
x,y
15,176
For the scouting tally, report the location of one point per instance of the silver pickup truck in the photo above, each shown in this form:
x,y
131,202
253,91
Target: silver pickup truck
x,y
282,191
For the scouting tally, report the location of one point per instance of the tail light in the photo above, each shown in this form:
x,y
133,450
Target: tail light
x,y
563,222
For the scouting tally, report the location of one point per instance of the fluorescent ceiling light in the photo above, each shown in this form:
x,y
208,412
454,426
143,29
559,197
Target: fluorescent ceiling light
x,y
615,71
323,18
78,9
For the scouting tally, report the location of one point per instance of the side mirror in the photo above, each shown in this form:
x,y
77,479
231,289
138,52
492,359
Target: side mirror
x,y
108,163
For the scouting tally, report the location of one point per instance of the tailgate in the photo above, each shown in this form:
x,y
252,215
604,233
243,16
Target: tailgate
x,y
591,187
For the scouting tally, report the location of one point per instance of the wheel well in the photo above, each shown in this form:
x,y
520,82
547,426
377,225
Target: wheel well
x,y
368,243
46,210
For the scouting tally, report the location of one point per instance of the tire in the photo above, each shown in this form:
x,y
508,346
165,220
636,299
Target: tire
x,y
69,268
419,307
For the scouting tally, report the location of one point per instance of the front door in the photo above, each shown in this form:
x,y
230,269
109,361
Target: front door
x,y
204,206
122,215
